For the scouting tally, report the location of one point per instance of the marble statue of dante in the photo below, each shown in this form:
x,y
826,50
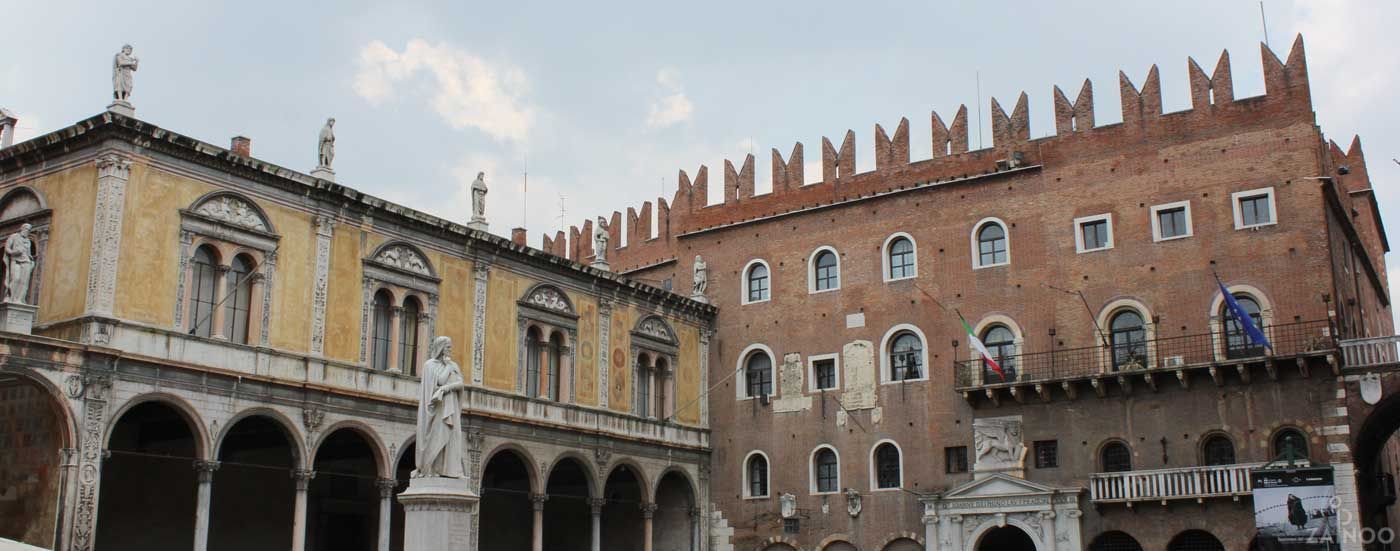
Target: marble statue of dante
x,y
479,197
326,145
600,241
19,264
702,277
123,66
439,445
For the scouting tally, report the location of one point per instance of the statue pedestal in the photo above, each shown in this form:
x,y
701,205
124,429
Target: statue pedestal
x,y
477,224
601,265
17,318
324,173
700,298
438,514
122,107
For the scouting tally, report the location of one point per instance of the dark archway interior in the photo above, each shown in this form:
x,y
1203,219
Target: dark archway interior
x,y
622,514
507,516
31,435
147,496
1378,428
1005,538
671,523
903,544
342,509
255,454
568,517
402,473
1195,540
1114,541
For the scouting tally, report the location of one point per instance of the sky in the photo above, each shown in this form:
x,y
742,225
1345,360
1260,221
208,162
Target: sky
x,y
602,103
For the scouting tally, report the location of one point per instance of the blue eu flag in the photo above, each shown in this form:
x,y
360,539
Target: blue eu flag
x,y
1256,336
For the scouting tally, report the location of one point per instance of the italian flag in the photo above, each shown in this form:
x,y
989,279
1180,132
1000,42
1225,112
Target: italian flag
x,y
977,345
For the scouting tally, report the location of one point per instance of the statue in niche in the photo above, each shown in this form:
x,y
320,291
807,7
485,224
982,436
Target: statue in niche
x,y
439,444
123,69
702,277
326,145
479,198
19,264
600,242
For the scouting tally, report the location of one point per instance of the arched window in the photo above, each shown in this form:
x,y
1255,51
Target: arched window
x,y
991,245
408,335
1129,337
758,375
1115,457
906,357
901,259
757,473
239,299
383,318
1114,541
1001,342
827,470
756,282
826,272
887,469
1195,540
658,376
555,357
1217,449
1290,438
535,349
1237,343
202,299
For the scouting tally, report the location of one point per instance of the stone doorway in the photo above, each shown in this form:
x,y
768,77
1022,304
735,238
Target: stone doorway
x,y
1006,538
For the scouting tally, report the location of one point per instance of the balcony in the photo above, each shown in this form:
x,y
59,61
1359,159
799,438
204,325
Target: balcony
x,y
1064,372
1163,485
1370,353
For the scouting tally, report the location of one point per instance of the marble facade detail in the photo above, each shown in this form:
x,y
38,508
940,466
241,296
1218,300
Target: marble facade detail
x,y
113,172
481,273
325,230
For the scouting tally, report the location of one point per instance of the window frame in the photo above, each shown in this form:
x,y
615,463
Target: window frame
x,y
1157,236
1103,450
1053,445
812,372
1216,436
741,390
204,276
1144,344
1279,432
1079,223
1268,193
886,257
381,317
813,271
964,464
976,248
886,367
875,466
744,282
813,470
767,476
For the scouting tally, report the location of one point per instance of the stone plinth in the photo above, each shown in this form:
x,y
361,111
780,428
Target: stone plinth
x,y
324,173
700,298
17,318
122,107
478,225
438,514
601,265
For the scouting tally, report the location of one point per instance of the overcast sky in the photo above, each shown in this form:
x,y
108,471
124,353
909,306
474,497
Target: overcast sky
x,y
607,101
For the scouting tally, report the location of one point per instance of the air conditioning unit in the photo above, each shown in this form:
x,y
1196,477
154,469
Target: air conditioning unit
x,y
1173,361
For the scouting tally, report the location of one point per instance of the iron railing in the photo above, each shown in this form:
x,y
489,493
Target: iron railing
x,y
1370,352
1288,340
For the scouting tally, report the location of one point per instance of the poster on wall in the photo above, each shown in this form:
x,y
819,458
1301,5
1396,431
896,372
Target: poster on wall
x,y
1294,509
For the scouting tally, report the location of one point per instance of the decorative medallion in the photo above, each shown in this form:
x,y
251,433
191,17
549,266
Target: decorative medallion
x,y
549,298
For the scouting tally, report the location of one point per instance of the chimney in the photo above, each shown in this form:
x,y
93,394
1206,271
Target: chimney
x,y
8,121
518,236
241,146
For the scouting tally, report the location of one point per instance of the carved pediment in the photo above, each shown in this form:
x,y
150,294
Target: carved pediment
x,y
405,258
549,298
997,485
656,328
234,211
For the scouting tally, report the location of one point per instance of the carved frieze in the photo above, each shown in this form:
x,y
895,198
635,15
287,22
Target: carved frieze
x,y
404,258
232,210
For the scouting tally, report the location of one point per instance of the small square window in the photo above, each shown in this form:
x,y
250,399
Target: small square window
x,y
792,525
955,459
1254,208
1093,233
825,372
1171,221
1047,454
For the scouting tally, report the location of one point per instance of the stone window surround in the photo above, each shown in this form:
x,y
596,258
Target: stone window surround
x,y
741,371
547,308
888,340
38,221
1207,436
812,371
744,282
401,283
228,239
768,471
1079,232
812,271
875,466
1149,328
1217,321
976,250
1251,193
885,256
1103,446
654,342
980,329
1156,221
812,470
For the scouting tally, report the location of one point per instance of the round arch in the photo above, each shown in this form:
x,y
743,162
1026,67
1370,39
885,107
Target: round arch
x,y
884,352
19,192
1208,436
1105,321
587,466
972,239
550,297
744,281
182,407
294,438
1217,301
767,471
531,466
778,543
999,319
903,541
741,387
812,469
885,256
812,269
391,253
261,222
685,476
1109,441
376,444
38,422
68,419
835,542
1114,540
1195,540
991,523
401,452
874,466
644,483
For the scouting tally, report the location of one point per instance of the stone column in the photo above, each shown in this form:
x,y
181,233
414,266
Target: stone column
x,y
325,228
386,503
480,274
930,532
394,336
1047,529
695,518
216,318
68,467
648,511
302,479
205,471
955,531
596,504
537,502
94,389
604,347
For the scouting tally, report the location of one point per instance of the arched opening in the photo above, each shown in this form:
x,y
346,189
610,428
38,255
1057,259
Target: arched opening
x,y
147,499
555,359
661,381
903,544
507,516
568,516
839,545
826,471
33,432
381,339
1001,343
408,336
239,300
756,475
672,523
1129,337
826,272
256,453
1237,341
1114,541
758,375
888,472
756,283
342,509
622,513
1377,457
900,259
402,473
991,245
1006,538
1289,440
534,352
906,357
1217,449
1115,457
1195,540
779,547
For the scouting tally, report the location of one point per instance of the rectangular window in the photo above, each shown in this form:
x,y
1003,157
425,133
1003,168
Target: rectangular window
x,y
1047,454
1254,208
955,459
1093,233
792,525
825,373
1171,221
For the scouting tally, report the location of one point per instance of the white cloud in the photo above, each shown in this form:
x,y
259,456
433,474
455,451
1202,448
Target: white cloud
x,y
675,107
467,90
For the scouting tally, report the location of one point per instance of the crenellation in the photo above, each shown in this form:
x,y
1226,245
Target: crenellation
x,y
1144,104
1286,78
738,184
1216,89
892,152
949,140
1008,131
1077,116
839,164
787,176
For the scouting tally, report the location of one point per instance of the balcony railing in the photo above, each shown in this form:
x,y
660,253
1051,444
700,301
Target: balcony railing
x,y
1370,352
1183,352
1170,484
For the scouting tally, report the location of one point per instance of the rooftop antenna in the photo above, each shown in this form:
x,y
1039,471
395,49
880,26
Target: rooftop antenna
x,y
979,109
1265,21
525,192
561,212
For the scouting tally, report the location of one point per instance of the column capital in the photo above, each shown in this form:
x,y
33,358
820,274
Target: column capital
x,y
386,487
204,470
1047,515
955,519
223,268
930,519
303,478
648,510
1074,513
597,503
537,501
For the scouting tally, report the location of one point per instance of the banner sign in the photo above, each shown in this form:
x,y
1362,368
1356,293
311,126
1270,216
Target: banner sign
x,y
1295,509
